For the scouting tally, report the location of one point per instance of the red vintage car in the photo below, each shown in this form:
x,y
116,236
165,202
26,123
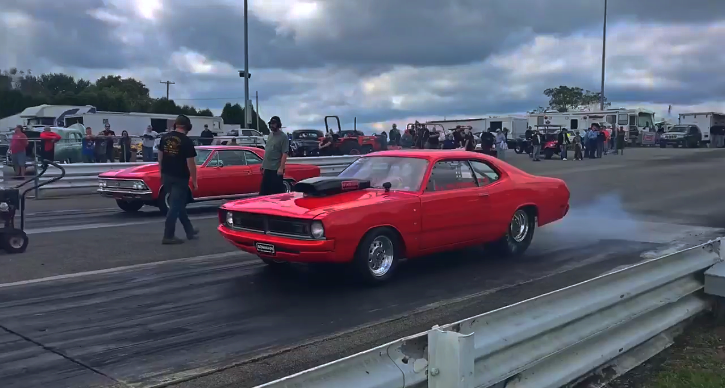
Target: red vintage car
x,y
223,172
392,205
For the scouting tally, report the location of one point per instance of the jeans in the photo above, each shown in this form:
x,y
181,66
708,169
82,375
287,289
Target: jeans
x,y
178,189
563,151
600,149
591,148
536,152
272,183
88,158
148,154
501,154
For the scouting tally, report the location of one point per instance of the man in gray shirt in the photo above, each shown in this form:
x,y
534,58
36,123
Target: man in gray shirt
x,y
275,159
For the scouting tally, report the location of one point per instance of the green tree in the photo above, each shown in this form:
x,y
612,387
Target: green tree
x,y
234,114
566,98
20,89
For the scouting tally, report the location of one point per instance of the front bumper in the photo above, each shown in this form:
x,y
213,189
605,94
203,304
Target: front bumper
x,y
673,142
286,249
127,195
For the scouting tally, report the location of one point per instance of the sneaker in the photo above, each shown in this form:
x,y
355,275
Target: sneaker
x,y
172,241
564,159
194,234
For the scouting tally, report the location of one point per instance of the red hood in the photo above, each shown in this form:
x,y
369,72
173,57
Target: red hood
x,y
300,206
132,172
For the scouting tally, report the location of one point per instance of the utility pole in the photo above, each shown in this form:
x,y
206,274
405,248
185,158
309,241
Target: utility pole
x,y
247,113
604,56
256,97
168,83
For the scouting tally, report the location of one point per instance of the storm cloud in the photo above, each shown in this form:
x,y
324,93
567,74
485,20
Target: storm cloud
x,y
381,60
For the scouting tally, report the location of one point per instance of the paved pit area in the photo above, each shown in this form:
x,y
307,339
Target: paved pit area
x,y
96,301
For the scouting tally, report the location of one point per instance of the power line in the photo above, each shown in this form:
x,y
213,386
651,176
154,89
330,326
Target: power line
x,y
168,83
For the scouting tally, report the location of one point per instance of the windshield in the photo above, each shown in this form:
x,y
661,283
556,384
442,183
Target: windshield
x,y
678,128
201,156
306,135
405,174
645,120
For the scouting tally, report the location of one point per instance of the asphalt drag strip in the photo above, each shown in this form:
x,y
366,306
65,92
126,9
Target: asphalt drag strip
x,y
227,319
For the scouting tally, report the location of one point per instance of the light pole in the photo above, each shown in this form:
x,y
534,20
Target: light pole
x,y
247,113
604,56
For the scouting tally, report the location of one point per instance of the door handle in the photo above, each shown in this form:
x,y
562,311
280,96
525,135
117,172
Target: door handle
x,y
247,172
483,195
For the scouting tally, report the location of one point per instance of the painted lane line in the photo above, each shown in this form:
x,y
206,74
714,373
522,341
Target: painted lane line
x,y
214,256
69,228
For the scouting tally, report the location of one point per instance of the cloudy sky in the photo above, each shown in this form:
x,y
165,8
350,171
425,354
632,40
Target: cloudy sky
x,y
381,61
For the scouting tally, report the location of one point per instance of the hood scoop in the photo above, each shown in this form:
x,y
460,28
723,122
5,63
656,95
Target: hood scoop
x,y
322,186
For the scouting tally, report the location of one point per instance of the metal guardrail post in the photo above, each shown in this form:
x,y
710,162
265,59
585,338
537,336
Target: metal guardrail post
x,y
451,359
35,178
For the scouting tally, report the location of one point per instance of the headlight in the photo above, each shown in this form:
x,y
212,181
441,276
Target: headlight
x,y
101,184
138,186
230,219
4,207
317,230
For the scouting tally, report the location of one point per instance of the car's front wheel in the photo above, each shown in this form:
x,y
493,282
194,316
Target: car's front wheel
x,y
288,185
519,234
129,206
377,256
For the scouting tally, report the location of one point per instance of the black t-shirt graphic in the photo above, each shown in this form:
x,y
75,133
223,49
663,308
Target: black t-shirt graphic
x,y
176,148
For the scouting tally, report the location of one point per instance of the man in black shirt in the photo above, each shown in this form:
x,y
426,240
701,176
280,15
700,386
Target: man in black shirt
x,y
469,141
176,159
207,136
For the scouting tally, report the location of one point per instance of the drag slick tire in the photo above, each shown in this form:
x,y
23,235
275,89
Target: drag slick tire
x,y
14,240
129,206
518,235
377,256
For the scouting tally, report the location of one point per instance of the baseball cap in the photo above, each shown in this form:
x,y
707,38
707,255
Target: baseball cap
x,y
183,121
275,119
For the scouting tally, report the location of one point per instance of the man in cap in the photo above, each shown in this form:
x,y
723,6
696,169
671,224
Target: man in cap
x,y
176,159
275,159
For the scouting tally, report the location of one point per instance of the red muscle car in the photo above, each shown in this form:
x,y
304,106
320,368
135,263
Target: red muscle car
x,y
222,172
391,205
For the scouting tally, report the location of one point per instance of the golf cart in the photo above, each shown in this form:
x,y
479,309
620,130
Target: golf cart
x,y
550,143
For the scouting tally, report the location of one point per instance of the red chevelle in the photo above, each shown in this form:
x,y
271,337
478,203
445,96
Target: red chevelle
x,y
391,205
222,172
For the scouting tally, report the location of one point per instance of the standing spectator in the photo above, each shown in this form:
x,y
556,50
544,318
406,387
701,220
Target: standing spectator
x,y
536,146
87,146
601,139
147,144
48,138
487,141
433,139
109,143
18,149
578,147
176,160
207,136
275,159
620,141
592,141
469,142
563,143
394,135
501,145
407,141
99,148
528,135
125,144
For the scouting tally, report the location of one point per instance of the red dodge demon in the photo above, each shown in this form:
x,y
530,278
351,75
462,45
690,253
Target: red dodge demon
x,y
391,205
223,172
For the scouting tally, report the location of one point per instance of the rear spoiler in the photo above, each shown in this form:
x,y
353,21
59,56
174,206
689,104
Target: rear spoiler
x,y
322,186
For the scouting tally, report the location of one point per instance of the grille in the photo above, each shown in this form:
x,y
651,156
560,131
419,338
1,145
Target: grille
x,y
272,225
119,184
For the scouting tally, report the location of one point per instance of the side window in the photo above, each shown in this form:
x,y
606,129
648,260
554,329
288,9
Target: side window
x,y
255,133
214,162
484,173
231,157
247,132
451,175
694,130
252,158
574,124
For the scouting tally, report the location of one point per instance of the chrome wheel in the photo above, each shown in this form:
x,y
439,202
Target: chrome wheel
x,y
166,200
519,227
381,255
287,187
16,242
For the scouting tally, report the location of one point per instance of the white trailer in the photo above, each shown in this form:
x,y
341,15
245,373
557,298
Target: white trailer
x,y
44,116
135,123
516,124
634,121
477,125
704,121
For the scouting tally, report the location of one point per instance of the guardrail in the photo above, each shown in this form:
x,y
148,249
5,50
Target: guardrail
x,y
82,176
601,327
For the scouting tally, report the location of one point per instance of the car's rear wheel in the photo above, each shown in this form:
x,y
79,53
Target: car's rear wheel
x,y
377,256
519,233
129,206
163,202
288,185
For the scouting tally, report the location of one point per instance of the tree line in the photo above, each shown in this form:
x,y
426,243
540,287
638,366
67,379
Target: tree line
x,y
20,89
568,98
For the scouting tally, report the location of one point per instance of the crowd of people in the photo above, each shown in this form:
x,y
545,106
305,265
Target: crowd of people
x,y
592,143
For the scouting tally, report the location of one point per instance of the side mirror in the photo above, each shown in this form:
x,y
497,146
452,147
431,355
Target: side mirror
x,y
387,186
